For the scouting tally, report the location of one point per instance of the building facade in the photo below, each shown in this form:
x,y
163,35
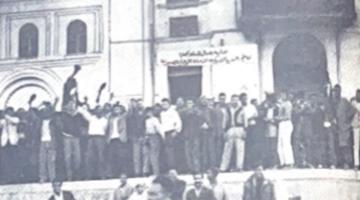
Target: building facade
x,y
170,48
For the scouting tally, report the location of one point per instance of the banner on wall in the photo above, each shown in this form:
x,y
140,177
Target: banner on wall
x,y
229,55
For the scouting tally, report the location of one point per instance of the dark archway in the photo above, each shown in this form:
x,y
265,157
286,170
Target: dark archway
x,y
300,64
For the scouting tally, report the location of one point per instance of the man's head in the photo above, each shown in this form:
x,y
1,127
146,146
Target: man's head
x,y
118,110
244,99
47,110
211,102
173,174
198,181
133,103
357,97
107,108
139,103
222,98
180,102
165,104
189,104
212,174
203,101
234,101
98,111
161,188
57,185
123,179
254,102
140,188
336,92
283,96
149,112
259,173
10,111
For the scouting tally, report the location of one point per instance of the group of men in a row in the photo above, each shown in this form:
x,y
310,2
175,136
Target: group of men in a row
x,y
191,136
170,187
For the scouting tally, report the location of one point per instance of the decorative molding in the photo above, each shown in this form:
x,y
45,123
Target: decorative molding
x,y
95,11
52,23
7,37
101,30
77,11
48,34
184,4
50,62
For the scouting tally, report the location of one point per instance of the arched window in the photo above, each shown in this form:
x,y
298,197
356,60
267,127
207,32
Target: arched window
x,y
28,41
76,37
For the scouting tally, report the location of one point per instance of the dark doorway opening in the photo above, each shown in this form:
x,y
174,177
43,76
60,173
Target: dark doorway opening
x,y
300,65
185,82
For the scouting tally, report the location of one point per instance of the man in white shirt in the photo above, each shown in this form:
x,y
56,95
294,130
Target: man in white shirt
x,y
95,152
9,146
251,144
171,125
47,152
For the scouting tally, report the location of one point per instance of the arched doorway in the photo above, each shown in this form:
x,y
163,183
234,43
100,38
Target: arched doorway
x,y
300,65
17,86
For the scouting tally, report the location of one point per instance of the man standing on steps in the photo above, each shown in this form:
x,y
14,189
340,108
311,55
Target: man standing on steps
x,y
344,113
171,125
356,129
70,87
235,135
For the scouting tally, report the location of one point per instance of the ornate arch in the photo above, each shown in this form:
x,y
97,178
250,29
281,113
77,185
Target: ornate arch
x,y
43,79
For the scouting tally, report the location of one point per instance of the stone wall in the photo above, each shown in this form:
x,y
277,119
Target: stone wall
x,y
309,184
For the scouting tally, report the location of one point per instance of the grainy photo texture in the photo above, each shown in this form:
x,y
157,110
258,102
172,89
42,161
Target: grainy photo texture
x,y
179,99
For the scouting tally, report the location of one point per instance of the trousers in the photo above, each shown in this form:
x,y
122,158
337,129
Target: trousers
x,y
95,157
137,155
47,159
170,141
284,146
192,154
235,138
151,154
356,146
208,151
72,156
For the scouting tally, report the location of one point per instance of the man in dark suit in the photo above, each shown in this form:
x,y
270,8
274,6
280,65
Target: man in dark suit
x,y
59,194
199,192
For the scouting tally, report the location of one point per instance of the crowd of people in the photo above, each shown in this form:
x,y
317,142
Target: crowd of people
x,y
83,142
170,187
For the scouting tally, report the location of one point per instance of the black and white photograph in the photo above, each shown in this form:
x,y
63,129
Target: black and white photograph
x,y
179,99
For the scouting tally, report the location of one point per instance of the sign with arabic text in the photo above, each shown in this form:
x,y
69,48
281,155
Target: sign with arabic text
x,y
242,54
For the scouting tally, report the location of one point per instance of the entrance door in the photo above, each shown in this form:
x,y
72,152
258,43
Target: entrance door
x,y
185,82
300,65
